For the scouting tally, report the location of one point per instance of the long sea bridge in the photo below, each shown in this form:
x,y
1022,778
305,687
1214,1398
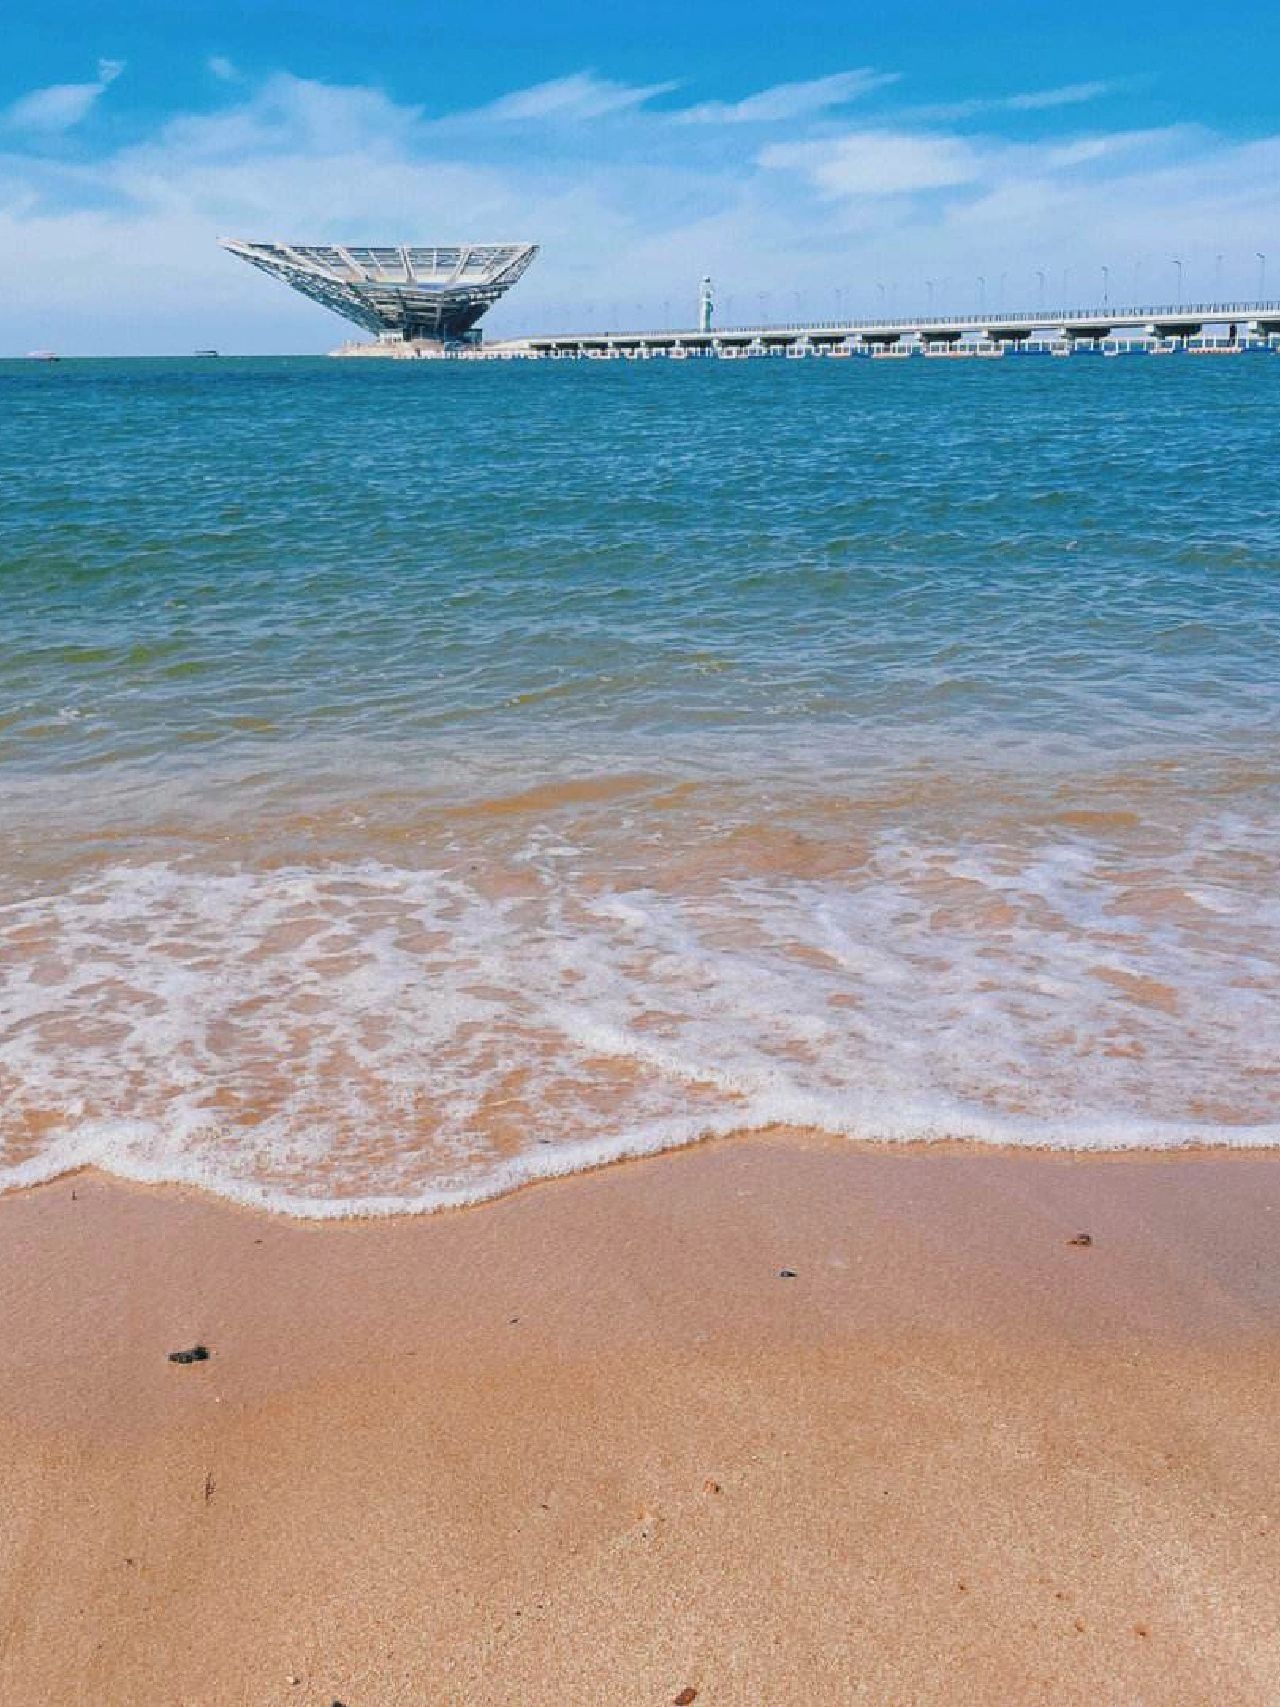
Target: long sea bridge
x,y
1208,328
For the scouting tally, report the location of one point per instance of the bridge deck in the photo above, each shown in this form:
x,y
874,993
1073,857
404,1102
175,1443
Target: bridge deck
x,y
1238,321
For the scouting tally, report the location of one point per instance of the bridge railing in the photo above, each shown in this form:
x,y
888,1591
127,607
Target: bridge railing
x,y
1040,318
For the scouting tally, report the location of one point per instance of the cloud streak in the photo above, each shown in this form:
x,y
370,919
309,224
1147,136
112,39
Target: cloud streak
x,y
1026,101
1043,100
62,106
574,99
788,101
879,163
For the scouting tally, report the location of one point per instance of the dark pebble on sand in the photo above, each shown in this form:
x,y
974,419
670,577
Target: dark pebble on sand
x,y
786,1274
686,1696
196,1354
1081,1239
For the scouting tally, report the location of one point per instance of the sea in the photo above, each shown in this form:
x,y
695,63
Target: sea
x,y
417,779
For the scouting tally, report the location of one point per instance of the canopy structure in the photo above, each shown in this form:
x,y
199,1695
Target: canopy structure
x,y
406,291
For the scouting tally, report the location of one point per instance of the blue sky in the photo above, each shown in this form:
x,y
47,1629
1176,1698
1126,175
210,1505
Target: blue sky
x,y
814,159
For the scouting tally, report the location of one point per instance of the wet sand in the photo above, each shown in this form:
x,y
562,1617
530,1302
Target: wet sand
x,y
591,1444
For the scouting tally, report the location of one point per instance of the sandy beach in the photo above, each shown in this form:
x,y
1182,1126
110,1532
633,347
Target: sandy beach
x,y
775,1419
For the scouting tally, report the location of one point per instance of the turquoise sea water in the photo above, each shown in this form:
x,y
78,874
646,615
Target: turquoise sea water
x,y
418,777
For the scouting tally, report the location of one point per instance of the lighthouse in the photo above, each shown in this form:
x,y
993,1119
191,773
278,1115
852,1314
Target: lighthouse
x,y
706,306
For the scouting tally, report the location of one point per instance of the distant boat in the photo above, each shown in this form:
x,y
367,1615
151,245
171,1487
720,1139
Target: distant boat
x,y
42,355
206,352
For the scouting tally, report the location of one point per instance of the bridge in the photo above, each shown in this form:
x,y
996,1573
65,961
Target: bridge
x,y
1208,327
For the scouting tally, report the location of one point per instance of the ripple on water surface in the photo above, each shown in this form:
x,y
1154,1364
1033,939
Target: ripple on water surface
x,y
420,781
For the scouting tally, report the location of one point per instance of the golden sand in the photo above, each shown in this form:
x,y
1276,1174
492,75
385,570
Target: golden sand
x,y
591,1444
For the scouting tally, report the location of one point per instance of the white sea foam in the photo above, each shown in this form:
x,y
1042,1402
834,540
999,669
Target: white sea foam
x,y
368,1038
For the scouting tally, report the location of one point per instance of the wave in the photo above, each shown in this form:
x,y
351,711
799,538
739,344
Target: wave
x,y
365,1037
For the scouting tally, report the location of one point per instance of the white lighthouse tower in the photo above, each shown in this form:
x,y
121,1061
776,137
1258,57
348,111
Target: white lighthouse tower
x,y
706,306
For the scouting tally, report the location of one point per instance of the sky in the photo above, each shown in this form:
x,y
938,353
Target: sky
x,y
817,160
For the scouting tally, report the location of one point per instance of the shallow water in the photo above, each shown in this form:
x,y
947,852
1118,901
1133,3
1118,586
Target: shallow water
x,y
416,778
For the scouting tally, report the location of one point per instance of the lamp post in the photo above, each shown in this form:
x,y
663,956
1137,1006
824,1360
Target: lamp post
x,y
1262,276
1106,287
880,295
1217,278
982,293
1178,264
1040,296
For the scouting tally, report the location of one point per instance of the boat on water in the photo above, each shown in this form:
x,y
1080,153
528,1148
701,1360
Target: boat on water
x,y
206,352
42,355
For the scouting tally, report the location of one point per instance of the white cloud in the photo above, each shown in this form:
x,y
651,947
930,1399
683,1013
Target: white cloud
x,y
879,162
790,100
581,96
1069,95
62,105
1028,101
222,68
1086,150
289,115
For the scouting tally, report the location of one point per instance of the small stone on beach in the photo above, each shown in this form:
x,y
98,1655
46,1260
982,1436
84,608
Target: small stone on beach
x,y
786,1274
195,1354
686,1696
1081,1239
